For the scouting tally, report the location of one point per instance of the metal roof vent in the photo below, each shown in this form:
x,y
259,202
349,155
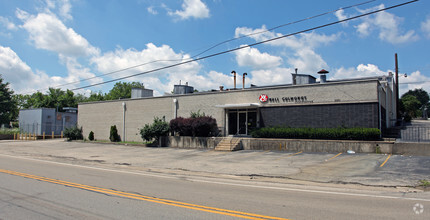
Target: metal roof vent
x,y
323,77
141,93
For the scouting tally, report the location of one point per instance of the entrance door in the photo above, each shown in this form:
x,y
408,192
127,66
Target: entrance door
x,y
232,123
242,123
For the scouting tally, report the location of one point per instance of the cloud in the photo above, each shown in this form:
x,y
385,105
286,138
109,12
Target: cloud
x,y
362,70
254,58
64,8
307,61
416,80
154,57
308,40
388,26
273,76
8,24
49,33
151,10
425,27
191,9
302,56
340,15
20,76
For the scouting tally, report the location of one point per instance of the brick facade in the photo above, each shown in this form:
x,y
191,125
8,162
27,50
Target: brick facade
x,y
322,116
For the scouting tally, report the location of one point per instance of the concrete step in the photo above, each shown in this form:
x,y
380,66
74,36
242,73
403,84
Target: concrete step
x,y
229,144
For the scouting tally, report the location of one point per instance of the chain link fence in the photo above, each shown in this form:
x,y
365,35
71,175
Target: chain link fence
x,y
415,134
47,128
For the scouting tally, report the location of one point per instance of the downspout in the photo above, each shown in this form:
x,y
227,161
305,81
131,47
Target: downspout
x,y
379,105
175,108
123,121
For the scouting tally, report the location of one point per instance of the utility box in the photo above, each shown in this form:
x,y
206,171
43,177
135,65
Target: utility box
x,y
48,120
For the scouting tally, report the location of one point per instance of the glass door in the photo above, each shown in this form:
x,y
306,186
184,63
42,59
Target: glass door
x,y
232,123
242,123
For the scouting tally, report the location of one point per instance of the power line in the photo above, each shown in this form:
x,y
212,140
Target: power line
x,y
221,43
251,45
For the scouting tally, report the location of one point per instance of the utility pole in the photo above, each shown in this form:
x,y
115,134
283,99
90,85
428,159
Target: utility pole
x,y
397,87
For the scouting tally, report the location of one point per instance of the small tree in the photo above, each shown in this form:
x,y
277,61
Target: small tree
x,y
73,133
91,136
155,130
114,137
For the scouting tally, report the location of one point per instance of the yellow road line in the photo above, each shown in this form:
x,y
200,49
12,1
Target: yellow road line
x,y
334,156
385,161
289,155
144,198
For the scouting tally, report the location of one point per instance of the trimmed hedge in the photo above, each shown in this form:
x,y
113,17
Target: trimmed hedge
x,y
202,126
318,133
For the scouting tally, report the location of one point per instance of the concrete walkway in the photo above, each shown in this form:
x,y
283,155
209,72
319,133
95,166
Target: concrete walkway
x,y
275,166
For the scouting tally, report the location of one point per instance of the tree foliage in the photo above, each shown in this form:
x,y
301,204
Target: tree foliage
x,y
122,90
155,130
413,103
8,107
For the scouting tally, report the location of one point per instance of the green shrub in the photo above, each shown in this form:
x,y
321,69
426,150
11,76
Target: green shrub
x,y
91,136
155,130
318,133
114,137
73,133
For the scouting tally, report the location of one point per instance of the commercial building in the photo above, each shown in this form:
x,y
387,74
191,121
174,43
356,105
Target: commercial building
x,y
364,102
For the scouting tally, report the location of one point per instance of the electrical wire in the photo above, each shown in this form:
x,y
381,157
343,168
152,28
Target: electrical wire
x,y
219,44
250,45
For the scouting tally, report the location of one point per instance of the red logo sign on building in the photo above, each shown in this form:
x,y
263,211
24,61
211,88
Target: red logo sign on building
x,y
263,98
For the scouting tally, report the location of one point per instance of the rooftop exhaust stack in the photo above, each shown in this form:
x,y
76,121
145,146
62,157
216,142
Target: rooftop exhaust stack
x,y
243,82
234,76
295,77
323,77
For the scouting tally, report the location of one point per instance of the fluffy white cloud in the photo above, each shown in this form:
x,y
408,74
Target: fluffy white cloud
x,y
340,15
307,61
23,79
425,27
415,80
273,76
388,26
362,70
154,58
303,46
49,33
20,76
254,58
192,9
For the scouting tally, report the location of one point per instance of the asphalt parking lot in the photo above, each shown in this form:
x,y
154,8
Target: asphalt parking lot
x,y
363,169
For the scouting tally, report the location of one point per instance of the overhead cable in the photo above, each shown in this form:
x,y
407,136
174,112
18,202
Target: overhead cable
x,y
250,45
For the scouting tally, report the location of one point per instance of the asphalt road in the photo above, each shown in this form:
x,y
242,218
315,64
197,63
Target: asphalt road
x,y
38,189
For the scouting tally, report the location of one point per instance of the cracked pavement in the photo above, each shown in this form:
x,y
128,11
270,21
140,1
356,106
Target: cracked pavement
x,y
274,166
